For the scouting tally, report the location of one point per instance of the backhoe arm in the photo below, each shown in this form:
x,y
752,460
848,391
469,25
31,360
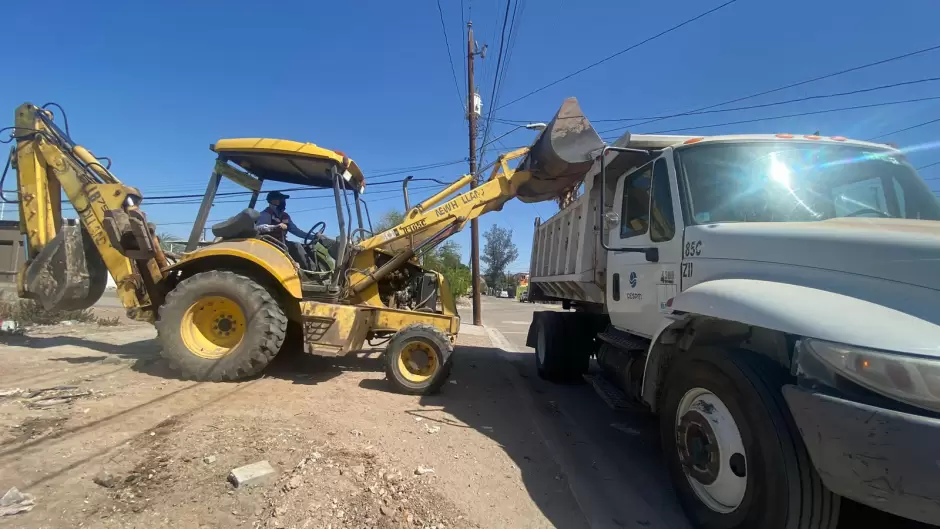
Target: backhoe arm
x,y
67,265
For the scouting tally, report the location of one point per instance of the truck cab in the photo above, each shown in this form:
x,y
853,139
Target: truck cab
x,y
775,300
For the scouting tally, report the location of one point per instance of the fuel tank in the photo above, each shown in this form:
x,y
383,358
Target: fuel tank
x,y
561,155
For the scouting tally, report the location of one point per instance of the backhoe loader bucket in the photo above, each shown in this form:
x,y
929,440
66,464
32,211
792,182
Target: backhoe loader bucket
x,y
561,156
68,274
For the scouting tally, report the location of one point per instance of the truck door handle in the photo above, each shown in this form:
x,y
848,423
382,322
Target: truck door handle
x,y
616,287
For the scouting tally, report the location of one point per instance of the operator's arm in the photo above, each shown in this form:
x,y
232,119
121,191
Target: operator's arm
x,y
265,224
292,228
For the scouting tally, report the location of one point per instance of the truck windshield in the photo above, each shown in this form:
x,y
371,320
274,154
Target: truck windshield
x,y
800,181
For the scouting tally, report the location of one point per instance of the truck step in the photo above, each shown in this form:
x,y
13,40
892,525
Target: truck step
x,y
624,341
609,393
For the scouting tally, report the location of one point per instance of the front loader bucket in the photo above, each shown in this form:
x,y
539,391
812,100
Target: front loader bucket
x,y
68,274
561,156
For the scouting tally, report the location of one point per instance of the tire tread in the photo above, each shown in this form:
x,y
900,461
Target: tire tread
x,y
270,317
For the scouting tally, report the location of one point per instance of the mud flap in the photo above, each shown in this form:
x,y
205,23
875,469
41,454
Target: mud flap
x,y
68,274
561,156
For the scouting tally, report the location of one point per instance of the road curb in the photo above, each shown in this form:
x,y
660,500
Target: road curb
x,y
500,340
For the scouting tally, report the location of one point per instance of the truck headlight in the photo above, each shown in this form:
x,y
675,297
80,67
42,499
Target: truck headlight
x,y
911,379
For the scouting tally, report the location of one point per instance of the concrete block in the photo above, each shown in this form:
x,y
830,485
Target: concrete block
x,y
253,475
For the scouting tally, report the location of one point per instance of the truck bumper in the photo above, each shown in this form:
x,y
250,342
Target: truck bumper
x,y
882,458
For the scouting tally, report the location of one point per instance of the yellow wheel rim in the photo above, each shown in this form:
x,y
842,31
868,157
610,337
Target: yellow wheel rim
x,y
418,362
212,327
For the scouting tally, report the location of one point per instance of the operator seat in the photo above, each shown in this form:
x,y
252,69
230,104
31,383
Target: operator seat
x,y
240,226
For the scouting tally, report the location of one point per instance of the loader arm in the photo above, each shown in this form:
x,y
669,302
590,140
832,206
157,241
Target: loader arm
x,y
554,165
441,211
66,265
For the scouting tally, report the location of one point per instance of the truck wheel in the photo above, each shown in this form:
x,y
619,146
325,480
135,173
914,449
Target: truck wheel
x,y
734,454
418,359
220,325
557,355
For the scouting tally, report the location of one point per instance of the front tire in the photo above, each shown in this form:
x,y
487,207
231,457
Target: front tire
x,y
220,325
418,359
734,454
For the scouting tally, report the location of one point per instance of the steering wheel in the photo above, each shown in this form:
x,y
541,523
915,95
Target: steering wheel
x,y
314,230
881,214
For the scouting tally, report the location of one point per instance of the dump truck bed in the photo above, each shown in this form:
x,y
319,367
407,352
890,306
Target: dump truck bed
x,y
568,261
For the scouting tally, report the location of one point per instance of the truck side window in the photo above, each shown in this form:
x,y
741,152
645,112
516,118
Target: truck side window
x,y
662,221
635,208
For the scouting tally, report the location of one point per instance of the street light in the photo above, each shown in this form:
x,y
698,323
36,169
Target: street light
x,y
530,126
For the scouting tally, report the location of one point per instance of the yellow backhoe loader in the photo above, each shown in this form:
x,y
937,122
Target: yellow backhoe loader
x,y
225,309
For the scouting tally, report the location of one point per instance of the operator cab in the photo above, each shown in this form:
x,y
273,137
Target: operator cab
x,y
252,162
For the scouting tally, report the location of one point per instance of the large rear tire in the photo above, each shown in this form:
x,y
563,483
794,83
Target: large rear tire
x,y
220,325
418,359
735,456
560,354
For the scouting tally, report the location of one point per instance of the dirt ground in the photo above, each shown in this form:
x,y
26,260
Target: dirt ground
x,y
123,443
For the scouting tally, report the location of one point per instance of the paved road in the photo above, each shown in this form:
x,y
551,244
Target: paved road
x,y
611,459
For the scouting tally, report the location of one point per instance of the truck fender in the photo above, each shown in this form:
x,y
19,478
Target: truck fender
x,y
800,311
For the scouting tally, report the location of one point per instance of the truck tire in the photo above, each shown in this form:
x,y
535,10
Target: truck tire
x,y
220,325
734,454
559,356
418,359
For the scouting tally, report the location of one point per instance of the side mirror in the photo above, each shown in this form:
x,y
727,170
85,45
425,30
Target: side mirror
x,y
612,219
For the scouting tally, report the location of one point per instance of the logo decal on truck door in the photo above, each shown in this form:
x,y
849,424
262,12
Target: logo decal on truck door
x,y
632,279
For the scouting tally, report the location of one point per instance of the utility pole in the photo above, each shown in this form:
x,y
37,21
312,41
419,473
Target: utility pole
x,y
474,225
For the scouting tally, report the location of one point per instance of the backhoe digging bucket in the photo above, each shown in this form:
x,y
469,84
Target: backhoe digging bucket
x,y
561,156
68,274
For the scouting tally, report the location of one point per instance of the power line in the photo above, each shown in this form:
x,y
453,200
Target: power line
x,y
496,74
801,83
621,52
450,57
905,129
799,114
323,208
928,165
750,107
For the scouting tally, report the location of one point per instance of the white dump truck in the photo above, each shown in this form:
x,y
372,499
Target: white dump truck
x,y
773,299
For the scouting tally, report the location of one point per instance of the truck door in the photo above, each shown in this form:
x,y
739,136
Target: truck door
x,y
639,285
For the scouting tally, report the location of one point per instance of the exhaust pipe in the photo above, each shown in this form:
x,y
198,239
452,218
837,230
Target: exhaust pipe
x,y
561,155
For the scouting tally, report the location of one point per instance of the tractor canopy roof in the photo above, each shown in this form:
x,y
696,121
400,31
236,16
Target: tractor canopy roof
x,y
289,161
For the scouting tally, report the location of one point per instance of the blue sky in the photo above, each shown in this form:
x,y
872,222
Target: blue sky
x,y
153,84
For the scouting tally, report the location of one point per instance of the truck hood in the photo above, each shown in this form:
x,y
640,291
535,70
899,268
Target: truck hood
x,y
901,250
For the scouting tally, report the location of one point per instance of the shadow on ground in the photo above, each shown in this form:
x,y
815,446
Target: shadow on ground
x,y
626,443
144,356
482,397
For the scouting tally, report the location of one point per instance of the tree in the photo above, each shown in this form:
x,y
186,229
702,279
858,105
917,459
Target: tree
x,y
166,240
498,252
389,220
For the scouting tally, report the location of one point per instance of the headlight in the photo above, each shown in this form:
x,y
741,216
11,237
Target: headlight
x,y
911,379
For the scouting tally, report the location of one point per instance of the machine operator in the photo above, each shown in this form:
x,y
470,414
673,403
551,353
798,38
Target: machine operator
x,y
275,221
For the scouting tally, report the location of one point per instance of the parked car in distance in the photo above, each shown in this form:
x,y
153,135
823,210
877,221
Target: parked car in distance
x,y
524,297
504,294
